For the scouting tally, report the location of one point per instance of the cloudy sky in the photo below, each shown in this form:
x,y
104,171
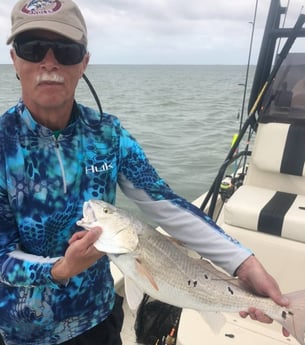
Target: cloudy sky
x,y
166,31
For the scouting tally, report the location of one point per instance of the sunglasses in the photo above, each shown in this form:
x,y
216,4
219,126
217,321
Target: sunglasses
x,y
65,52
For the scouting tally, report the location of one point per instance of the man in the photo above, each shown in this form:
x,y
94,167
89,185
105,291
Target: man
x,y
55,287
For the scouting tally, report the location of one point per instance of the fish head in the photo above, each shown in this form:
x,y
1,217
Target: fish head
x,y
119,232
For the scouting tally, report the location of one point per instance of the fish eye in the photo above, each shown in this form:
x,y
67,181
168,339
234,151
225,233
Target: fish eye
x,y
106,210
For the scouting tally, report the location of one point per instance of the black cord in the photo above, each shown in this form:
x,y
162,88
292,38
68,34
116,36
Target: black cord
x,y
97,100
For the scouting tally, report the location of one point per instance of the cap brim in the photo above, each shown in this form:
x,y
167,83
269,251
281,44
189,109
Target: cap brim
x,y
59,28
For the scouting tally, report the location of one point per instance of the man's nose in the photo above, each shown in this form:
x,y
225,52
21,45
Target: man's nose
x,y
50,58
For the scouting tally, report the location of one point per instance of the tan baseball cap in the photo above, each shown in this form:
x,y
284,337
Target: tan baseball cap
x,y
60,16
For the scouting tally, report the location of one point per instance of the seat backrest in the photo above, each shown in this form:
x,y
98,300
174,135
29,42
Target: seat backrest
x,y
278,158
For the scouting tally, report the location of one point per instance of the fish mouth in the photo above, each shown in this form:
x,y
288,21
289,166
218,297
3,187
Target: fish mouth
x,y
88,212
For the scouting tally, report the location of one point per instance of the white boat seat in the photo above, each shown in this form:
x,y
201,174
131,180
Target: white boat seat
x,y
280,148
272,199
268,211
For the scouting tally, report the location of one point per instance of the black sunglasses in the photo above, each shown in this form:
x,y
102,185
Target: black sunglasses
x,y
34,50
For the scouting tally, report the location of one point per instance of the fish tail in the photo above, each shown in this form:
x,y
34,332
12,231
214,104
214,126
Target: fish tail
x,y
293,318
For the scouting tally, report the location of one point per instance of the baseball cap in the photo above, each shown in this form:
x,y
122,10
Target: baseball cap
x,y
60,16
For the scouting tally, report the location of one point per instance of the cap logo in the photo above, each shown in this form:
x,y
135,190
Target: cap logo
x,y
41,7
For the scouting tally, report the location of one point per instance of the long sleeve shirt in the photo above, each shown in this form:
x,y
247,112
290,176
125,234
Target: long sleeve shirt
x,y
44,182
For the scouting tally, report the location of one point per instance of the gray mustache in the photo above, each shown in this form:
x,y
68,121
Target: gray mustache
x,y
50,77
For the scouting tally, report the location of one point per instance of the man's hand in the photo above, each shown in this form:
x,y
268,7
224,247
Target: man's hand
x,y
256,279
79,256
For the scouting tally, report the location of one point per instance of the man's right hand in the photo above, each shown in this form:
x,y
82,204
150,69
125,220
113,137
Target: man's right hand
x,y
79,256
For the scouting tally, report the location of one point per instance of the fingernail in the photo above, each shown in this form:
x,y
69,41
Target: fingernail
x,y
96,230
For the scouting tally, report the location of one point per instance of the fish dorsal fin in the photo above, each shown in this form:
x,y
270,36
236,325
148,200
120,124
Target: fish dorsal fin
x,y
144,271
134,295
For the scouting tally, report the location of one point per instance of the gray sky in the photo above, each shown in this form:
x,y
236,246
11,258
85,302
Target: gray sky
x,y
166,31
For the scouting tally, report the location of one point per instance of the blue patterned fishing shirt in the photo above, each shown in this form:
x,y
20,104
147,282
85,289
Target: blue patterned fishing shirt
x,y
44,182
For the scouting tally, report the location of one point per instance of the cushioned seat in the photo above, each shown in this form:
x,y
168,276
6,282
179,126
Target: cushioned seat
x,y
268,211
272,199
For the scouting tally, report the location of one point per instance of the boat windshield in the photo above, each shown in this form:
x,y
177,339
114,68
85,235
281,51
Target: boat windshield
x,y
285,99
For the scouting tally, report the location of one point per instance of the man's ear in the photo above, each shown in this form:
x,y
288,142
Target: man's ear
x,y
13,57
85,63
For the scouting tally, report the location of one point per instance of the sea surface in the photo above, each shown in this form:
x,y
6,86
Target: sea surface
x,y
183,116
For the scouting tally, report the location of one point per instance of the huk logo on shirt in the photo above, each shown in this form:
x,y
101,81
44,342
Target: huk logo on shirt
x,y
96,169
40,7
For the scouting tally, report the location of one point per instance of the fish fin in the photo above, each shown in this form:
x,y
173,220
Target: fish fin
x,y
134,295
293,318
215,320
143,270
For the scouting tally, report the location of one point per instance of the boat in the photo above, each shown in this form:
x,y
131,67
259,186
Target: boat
x,y
258,194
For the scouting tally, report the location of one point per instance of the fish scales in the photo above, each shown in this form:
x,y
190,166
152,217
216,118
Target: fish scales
x,y
191,280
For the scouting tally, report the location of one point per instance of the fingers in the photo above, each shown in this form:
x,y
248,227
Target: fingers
x,y
256,279
260,316
91,236
278,298
79,256
77,236
256,314
243,314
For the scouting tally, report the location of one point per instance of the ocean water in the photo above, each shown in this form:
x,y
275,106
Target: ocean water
x,y
183,116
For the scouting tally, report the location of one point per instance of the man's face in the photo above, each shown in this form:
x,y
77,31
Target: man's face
x,y
47,84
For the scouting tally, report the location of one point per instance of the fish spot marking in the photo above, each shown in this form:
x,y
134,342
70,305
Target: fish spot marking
x,y
229,335
192,283
230,290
